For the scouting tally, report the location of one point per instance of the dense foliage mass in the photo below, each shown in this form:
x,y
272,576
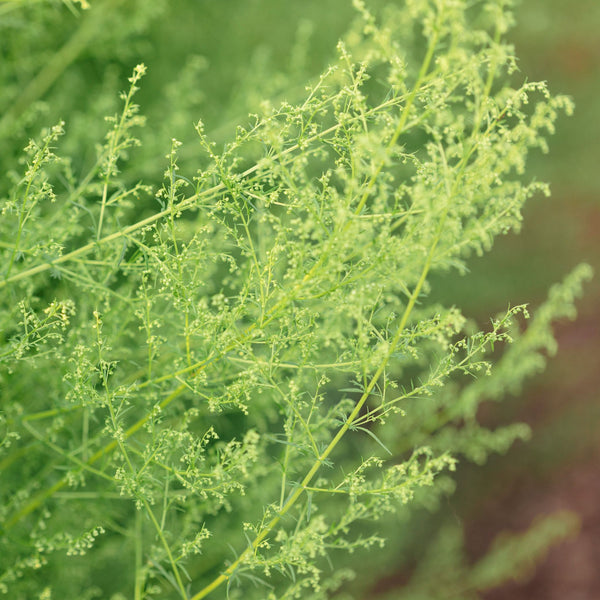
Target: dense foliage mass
x,y
231,381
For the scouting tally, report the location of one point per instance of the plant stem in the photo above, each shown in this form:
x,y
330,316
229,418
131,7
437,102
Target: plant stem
x,y
374,379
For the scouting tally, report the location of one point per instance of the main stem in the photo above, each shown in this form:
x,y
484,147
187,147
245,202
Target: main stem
x,y
393,345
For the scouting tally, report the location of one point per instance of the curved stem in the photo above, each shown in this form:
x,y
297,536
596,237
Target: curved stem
x,y
303,486
374,379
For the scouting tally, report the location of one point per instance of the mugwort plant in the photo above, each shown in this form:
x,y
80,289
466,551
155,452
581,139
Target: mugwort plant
x,y
222,374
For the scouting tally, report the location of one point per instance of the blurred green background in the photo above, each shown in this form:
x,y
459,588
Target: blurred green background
x,y
218,59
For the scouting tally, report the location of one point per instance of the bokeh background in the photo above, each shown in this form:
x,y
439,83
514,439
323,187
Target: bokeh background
x,y
217,59
559,468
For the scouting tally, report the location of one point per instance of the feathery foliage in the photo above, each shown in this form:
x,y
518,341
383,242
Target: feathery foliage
x,y
225,382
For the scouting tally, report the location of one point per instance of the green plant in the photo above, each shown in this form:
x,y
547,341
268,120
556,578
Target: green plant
x,y
221,382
